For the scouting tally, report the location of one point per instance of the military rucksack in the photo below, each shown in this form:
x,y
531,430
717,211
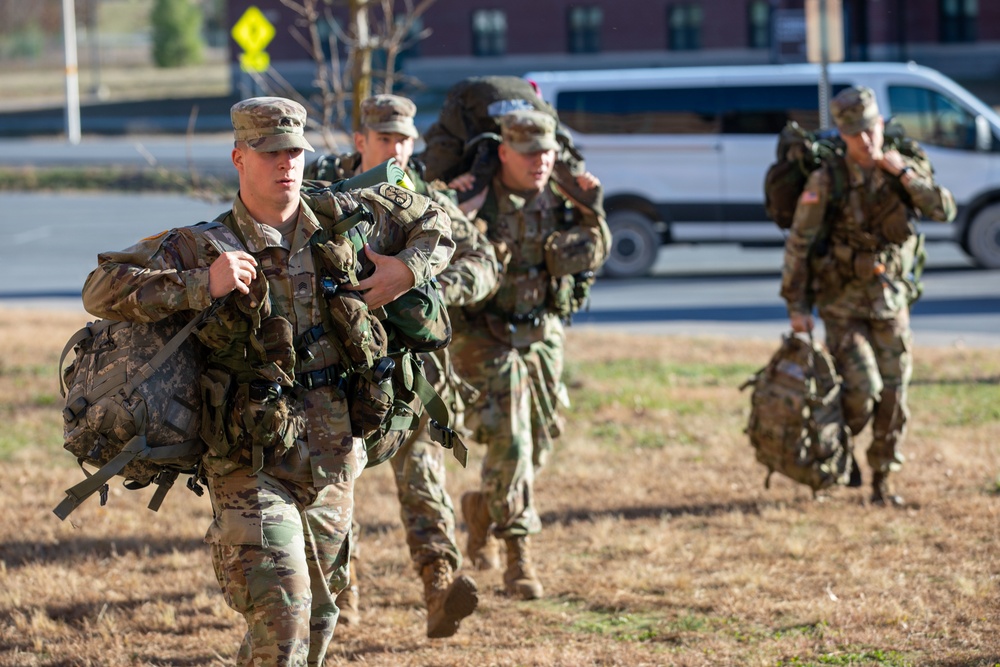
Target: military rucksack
x,y
133,402
465,137
796,425
800,152
384,379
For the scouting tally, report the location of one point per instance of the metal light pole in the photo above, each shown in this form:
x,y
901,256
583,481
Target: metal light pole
x,y
72,72
824,74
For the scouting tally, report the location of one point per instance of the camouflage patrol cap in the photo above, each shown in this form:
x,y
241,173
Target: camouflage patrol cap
x,y
854,110
270,124
529,131
389,113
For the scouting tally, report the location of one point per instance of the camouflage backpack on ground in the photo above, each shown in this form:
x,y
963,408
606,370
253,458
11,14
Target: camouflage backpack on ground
x,y
133,401
796,424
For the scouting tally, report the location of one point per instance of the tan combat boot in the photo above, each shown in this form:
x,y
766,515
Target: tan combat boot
x,y
483,548
520,579
347,600
449,599
882,492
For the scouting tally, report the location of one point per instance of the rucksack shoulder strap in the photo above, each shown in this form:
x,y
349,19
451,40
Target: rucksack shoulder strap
x,y
221,236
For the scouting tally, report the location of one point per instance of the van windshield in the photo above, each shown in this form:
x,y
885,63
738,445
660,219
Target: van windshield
x,y
691,110
932,118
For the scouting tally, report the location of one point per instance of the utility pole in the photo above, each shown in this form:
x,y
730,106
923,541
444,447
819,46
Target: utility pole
x,y
72,72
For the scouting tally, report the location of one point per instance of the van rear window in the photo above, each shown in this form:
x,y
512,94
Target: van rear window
x,y
729,109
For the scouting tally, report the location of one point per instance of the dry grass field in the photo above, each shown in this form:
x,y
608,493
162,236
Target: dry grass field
x,y
661,546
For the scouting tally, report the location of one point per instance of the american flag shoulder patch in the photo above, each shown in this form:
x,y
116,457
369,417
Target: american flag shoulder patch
x,y
808,197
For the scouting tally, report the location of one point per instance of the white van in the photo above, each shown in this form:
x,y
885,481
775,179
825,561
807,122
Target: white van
x,y
682,151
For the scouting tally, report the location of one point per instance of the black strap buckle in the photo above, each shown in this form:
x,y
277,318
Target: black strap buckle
x,y
324,377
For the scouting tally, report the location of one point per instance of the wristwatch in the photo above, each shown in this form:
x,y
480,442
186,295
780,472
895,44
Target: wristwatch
x,y
904,171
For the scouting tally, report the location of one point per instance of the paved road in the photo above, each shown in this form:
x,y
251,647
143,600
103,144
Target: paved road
x,y
206,153
53,240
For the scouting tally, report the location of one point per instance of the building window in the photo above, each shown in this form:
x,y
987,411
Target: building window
x,y
585,29
958,20
759,23
684,27
489,32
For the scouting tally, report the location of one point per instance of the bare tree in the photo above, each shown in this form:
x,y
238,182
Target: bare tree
x,y
372,25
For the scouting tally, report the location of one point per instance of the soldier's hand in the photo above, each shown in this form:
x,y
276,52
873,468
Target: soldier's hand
x,y
390,280
891,162
587,182
462,182
231,271
801,323
471,206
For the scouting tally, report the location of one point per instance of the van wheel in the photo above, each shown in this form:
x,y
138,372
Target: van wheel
x,y
983,237
634,244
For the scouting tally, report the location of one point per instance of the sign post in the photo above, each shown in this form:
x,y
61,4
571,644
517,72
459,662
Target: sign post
x,y
824,44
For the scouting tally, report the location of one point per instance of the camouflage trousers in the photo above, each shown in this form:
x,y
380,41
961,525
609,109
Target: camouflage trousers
x,y
424,504
519,377
875,359
280,550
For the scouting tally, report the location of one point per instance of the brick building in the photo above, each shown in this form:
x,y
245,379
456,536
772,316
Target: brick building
x,y
469,37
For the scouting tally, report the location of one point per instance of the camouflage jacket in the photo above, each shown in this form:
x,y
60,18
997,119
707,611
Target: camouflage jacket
x,y
851,254
473,272
520,228
168,273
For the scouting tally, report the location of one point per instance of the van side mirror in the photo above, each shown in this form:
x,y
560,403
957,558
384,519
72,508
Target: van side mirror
x,y
984,134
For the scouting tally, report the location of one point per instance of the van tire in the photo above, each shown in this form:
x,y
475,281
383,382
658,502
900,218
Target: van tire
x,y
982,239
635,244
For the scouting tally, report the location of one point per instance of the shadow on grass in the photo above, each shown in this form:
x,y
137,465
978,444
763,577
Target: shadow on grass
x,y
657,511
21,553
955,381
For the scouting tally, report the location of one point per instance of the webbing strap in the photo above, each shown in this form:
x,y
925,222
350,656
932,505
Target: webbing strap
x,y
89,331
164,481
439,426
76,494
147,369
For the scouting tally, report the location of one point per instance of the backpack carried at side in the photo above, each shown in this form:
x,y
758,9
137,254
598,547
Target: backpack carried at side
x,y
797,426
132,406
133,402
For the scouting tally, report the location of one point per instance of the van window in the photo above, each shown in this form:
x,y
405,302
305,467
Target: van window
x,y
641,111
931,118
730,109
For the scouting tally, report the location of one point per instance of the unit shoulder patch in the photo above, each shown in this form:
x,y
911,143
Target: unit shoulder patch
x,y
396,194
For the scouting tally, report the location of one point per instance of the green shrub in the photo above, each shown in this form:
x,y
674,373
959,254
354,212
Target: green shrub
x,y
177,39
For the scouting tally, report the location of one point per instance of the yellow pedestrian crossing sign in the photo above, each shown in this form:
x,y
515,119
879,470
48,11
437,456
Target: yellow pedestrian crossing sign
x,y
253,32
258,61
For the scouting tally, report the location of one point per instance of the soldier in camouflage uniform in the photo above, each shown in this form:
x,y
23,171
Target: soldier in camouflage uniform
x,y
280,537
851,254
387,131
511,349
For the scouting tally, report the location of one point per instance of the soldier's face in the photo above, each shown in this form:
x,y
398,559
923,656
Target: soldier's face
x,y
866,146
269,181
377,147
525,172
